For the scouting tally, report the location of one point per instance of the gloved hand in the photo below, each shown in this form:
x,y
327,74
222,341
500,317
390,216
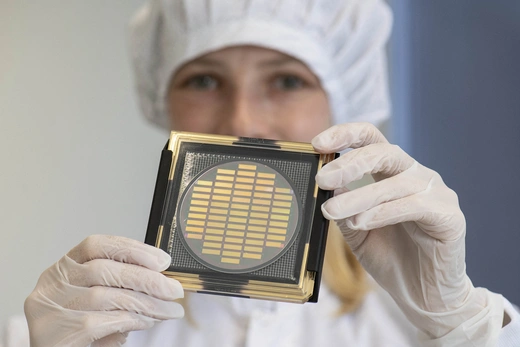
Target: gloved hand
x,y
102,289
407,231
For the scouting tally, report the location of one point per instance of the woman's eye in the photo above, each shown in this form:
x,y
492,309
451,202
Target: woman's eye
x,y
289,82
202,82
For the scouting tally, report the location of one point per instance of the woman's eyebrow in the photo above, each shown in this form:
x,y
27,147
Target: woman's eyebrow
x,y
206,62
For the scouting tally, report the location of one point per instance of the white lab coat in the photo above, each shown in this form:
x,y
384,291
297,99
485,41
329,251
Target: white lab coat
x,y
232,322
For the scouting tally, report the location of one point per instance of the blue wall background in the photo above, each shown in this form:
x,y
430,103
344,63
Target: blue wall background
x,y
455,68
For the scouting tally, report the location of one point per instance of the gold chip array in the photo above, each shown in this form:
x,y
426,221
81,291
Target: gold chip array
x,y
239,214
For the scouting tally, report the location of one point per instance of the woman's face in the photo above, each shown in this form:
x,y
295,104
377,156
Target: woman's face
x,y
248,91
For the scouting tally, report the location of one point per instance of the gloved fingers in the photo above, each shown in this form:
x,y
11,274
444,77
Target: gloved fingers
x,y
83,328
96,325
341,191
438,219
110,273
354,238
380,158
113,340
348,135
353,202
120,249
99,298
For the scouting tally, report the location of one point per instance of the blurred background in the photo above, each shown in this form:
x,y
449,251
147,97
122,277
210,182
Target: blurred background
x,y
76,158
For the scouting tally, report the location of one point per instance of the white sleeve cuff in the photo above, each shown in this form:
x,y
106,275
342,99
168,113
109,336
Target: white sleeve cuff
x,y
482,330
510,334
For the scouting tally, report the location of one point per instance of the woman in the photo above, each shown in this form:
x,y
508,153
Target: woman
x,y
283,70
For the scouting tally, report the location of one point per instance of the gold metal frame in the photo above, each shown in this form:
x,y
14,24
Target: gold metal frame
x,y
296,293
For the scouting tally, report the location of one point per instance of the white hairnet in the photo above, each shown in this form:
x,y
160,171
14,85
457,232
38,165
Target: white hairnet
x,y
341,41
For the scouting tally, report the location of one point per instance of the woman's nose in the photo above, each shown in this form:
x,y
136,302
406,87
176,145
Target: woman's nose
x,y
245,116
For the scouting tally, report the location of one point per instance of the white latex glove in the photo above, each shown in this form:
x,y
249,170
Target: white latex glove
x,y
407,231
102,289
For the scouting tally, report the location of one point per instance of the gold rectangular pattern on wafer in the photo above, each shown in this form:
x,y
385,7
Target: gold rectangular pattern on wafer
x,y
236,226
211,245
222,191
258,221
235,233
280,217
226,171
246,173
277,231
220,204
262,195
218,211
259,215
252,256
199,202
195,236
245,180
223,185
280,210
232,246
221,197
256,228
241,200
200,196
211,251
234,240
196,216
225,178
217,217
264,188
283,197
282,203
275,237
231,254
247,167
230,260
266,175
265,182
253,249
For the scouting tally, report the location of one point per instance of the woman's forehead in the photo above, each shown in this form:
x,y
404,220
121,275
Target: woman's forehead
x,y
258,56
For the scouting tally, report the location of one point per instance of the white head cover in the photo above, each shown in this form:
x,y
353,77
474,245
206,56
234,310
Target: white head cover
x,y
341,41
